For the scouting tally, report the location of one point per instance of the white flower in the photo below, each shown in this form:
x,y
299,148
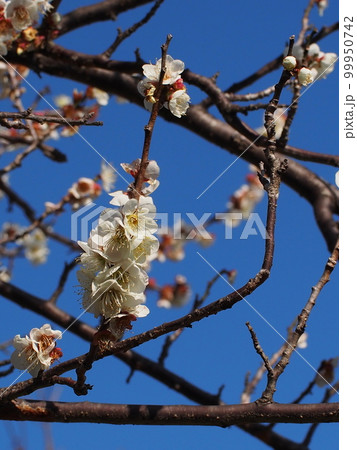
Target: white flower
x,y
305,76
148,247
110,236
314,51
116,290
147,90
93,259
22,13
36,352
108,176
138,219
179,103
289,62
152,170
120,198
324,65
174,67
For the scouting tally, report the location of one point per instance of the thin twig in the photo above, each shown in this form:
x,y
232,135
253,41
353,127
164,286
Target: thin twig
x,y
122,35
149,128
62,281
300,327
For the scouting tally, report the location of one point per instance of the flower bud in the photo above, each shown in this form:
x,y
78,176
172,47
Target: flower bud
x,y
289,62
305,76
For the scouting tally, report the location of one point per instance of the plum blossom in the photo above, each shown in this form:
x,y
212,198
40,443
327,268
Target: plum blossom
x,y
178,103
37,351
174,68
176,100
116,290
138,219
110,236
112,277
152,172
22,13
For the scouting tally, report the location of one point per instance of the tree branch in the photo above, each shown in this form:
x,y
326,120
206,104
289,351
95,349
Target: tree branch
x,y
223,415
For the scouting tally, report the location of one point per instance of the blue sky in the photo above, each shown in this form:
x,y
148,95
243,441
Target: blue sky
x,y
234,39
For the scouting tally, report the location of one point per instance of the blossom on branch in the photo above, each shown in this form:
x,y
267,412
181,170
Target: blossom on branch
x,y
305,76
174,68
37,351
174,96
312,63
22,13
112,277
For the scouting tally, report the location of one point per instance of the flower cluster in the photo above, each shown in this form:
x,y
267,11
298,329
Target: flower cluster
x,y
16,20
112,276
176,99
37,351
311,63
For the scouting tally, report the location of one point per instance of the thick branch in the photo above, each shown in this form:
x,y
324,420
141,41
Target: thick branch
x,y
141,363
223,416
101,11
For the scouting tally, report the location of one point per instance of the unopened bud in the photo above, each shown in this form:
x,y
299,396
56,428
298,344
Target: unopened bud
x,y
289,62
305,76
